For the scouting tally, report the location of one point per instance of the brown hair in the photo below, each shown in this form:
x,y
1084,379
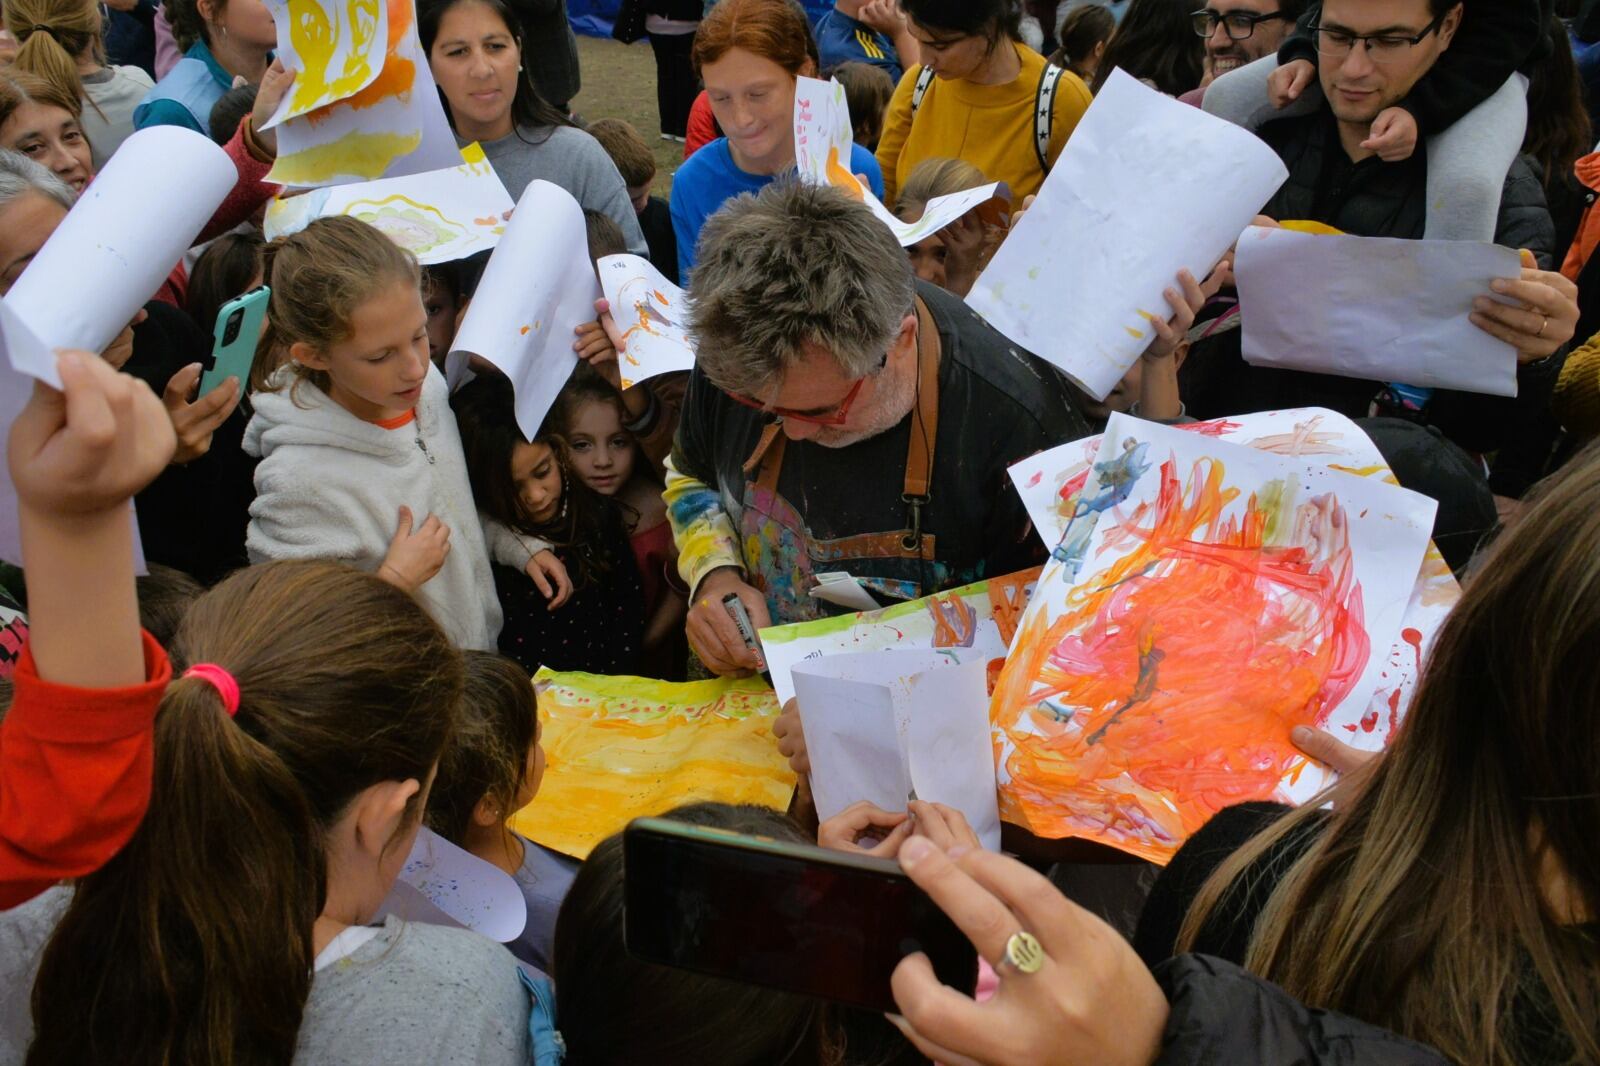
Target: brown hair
x,y
1419,905
188,25
165,596
772,29
194,943
18,87
319,277
627,150
52,35
867,91
935,177
496,726
223,272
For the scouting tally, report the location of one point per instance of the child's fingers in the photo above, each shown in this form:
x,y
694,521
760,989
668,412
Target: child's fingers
x,y
180,387
403,527
540,582
87,382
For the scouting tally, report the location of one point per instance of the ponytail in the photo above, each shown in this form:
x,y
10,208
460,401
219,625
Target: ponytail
x,y
52,35
194,944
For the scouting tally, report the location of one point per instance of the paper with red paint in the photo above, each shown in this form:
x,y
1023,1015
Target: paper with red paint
x,y
652,315
1050,485
883,726
974,623
1225,595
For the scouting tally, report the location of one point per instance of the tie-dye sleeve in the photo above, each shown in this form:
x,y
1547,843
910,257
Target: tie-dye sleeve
x,y
703,531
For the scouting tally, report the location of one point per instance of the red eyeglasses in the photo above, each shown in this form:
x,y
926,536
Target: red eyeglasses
x,y
837,417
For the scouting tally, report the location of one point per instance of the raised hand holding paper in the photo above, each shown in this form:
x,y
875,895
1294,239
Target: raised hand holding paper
x,y
336,48
392,127
119,242
538,288
822,139
652,314
1146,187
438,216
1373,307
882,726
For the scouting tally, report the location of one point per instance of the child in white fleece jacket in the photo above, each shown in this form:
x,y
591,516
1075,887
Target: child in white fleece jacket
x,y
360,456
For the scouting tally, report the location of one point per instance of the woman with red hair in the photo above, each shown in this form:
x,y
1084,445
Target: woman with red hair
x,y
748,53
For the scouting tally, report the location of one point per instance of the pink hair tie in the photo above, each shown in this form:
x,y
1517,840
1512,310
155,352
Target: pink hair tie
x,y
221,680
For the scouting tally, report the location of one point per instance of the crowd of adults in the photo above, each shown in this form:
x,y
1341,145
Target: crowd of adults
x,y
212,774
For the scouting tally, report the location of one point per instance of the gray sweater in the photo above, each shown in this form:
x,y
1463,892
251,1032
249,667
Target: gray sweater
x,y
413,993
575,161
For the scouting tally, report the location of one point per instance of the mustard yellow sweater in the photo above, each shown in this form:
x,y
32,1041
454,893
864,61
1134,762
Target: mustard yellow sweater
x,y
990,126
1577,399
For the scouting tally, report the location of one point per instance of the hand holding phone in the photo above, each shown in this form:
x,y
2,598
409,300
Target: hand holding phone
x,y
234,339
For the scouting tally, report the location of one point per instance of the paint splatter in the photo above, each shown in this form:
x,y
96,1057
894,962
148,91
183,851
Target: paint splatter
x,y
524,330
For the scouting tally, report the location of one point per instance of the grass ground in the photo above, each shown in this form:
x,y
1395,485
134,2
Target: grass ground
x,y
619,81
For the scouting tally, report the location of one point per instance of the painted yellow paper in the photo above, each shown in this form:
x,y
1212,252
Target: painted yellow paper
x,y
619,748
336,48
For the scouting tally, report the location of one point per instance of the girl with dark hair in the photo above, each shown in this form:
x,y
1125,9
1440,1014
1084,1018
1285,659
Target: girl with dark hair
x,y
978,95
529,489
475,52
1085,34
1156,43
230,267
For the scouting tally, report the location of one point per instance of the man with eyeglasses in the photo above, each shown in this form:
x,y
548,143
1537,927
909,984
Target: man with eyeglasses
x,y
843,417
1237,32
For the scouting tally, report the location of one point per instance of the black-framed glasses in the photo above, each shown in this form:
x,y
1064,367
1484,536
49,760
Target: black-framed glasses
x,y
1241,25
1381,47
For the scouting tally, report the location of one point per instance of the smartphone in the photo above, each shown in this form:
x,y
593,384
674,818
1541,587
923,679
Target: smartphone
x,y
233,347
789,916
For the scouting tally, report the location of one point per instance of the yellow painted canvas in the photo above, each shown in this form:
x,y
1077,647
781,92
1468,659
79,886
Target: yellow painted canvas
x,y
619,748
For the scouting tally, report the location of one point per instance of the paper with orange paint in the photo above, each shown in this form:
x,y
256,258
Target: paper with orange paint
x,y
652,315
1146,187
1227,596
1051,483
394,126
822,139
883,726
620,748
335,48
974,623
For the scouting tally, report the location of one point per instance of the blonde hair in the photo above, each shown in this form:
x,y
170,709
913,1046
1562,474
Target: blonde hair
x,y
52,35
319,277
935,177
1419,906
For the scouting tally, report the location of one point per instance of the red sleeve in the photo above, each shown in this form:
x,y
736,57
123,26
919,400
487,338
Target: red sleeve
x,y
249,192
74,774
702,126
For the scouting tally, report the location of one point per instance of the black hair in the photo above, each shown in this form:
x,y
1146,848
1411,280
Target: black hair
x,y
229,111
1559,130
990,19
223,271
1156,42
528,109
496,726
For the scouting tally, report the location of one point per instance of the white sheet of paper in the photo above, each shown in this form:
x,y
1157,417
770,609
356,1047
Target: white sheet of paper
x,y
1373,307
119,242
477,894
880,725
336,48
438,216
653,315
1146,187
538,288
822,140
393,127
843,590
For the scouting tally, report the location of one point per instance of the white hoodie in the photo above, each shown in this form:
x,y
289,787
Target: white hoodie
x,y
330,486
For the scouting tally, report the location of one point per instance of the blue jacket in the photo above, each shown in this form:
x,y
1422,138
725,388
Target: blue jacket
x,y
187,94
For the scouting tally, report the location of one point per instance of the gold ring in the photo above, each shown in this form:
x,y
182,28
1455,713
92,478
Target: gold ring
x,y
1024,954
1543,325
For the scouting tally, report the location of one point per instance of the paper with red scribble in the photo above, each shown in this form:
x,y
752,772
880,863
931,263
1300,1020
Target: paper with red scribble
x,y
1050,484
653,315
1225,595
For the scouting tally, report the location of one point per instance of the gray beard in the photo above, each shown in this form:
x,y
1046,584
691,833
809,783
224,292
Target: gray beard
x,y
895,396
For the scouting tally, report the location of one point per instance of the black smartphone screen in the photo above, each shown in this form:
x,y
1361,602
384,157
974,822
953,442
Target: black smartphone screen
x,y
787,916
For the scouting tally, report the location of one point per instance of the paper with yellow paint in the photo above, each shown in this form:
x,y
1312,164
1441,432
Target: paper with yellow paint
x,y
652,314
335,48
438,216
537,289
822,139
1146,187
620,748
394,126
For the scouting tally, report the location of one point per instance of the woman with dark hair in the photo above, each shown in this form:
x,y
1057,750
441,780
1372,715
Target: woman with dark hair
x,y
979,95
474,50
232,39
1156,43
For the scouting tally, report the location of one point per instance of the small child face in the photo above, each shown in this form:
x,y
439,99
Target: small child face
x,y
928,259
536,473
377,372
602,451
441,305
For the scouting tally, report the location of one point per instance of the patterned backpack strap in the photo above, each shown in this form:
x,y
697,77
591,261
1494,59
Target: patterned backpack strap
x,y
924,81
1044,113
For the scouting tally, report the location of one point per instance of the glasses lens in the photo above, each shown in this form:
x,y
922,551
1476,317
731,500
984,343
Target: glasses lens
x,y
1240,26
1204,24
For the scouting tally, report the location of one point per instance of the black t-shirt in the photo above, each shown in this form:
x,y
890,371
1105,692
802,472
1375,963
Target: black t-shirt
x,y
656,222
997,405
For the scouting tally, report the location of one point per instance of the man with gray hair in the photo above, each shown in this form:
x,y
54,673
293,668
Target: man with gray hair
x,y
842,418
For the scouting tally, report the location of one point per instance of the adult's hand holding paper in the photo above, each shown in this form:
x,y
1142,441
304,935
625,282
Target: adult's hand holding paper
x,y
118,243
1146,187
653,316
883,725
538,288
1373,307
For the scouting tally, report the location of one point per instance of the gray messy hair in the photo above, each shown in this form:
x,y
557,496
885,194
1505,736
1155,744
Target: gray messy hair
x,y
19,174
796,264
